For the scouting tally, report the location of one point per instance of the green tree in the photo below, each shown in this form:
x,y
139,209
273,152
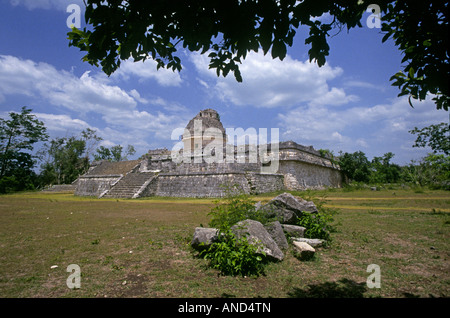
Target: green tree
x,y
432,170
66,158
114,154
327,153
91,140
437,137
17,138
228,30
383,171
420,31
437,169
355,166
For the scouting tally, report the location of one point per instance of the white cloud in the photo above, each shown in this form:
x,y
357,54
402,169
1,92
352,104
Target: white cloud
x,y
363,84
270,82
362,142
88,94
335,136
62,123
147,70
60,88
312,124
17,76
93,95
335,96
377,129
125,128
135,94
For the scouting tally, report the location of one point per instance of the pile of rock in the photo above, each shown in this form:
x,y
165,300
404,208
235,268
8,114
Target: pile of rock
x,y
272,237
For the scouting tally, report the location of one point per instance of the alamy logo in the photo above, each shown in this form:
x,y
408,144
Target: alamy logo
x,y
374,279
374,20
74,279
74,19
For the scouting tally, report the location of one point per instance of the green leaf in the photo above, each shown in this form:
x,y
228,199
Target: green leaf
x,y
427,43
385,37
409,101
237,75
279,50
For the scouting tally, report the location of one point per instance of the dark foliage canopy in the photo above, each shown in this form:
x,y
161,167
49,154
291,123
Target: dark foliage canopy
x,y
227,30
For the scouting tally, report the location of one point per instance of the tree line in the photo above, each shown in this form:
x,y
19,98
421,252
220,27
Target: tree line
x,y
433,170
61,160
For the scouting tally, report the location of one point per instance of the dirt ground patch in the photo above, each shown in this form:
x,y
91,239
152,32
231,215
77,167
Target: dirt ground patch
x,y
140,248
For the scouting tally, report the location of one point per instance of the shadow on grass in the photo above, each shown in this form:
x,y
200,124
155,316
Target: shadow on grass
x,y
344,288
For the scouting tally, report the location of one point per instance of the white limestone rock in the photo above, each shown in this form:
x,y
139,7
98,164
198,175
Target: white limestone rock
x,y
303,250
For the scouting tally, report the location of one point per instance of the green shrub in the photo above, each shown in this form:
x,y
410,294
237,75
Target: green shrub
x,y
230,255
234,207
234,256
318,225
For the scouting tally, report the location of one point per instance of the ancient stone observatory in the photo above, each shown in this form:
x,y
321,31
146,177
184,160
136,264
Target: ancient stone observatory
x,y
206,163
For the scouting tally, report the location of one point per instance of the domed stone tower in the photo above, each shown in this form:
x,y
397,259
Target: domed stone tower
x,y
203,129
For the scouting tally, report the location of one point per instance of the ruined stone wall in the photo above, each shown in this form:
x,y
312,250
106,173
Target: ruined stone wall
x,y
300,175
167,165
299,168
197,185
304,168
210,184
292,151
264,183
94,185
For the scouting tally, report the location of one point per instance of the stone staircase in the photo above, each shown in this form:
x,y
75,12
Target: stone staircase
x,y
61,188
129,185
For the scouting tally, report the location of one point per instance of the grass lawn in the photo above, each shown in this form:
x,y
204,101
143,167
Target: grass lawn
x,y
140,248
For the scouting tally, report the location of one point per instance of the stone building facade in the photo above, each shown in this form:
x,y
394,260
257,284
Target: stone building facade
x,y
207,163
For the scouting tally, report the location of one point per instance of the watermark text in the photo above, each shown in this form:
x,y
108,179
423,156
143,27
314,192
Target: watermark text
x,y
374,20
74,19
74,279
237,145
374,279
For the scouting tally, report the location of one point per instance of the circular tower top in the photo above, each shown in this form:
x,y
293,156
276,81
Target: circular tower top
x,y
206,119
209,118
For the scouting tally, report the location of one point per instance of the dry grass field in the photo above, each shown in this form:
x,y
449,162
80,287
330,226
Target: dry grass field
x,y
140,248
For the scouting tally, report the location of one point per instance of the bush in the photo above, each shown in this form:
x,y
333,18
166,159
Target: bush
x,y
10,184
230,255
234,207
234,256
318,225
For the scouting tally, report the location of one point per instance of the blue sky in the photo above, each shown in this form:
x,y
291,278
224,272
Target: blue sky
x,y
347,105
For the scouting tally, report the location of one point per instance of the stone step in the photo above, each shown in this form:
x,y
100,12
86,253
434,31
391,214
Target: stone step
x,y
128,185
124,187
